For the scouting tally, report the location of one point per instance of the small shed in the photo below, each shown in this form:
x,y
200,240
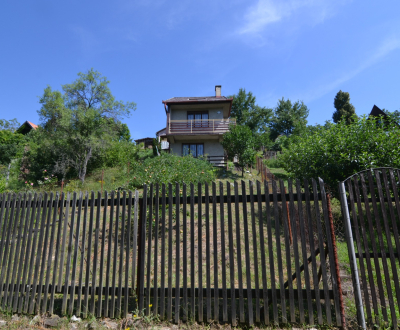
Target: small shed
x,y
148,142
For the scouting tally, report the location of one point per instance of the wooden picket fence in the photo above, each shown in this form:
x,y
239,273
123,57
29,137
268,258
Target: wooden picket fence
x,y
248,253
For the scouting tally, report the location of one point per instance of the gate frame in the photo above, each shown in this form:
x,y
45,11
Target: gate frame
x,y
350,244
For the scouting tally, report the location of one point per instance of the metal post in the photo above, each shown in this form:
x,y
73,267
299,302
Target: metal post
x,y
352,256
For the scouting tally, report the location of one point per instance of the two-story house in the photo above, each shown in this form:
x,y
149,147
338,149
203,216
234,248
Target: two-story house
x,y
195,126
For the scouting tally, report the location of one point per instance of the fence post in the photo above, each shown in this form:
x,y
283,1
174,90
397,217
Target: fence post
x,y
140,264
352,256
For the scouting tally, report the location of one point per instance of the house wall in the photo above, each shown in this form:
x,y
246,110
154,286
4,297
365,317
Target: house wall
x,y
178,114
211,148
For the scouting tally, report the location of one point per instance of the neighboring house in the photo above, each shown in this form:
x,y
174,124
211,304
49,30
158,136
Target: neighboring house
x,y
148,142
378,113
195,126
26,127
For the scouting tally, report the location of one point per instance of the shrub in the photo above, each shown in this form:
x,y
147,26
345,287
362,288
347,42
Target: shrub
x,y
169,168
337,151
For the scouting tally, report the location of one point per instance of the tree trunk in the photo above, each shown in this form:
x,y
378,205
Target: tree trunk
x,y
8,174
83,167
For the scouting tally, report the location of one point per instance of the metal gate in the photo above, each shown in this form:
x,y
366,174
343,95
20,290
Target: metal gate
x,y
371,209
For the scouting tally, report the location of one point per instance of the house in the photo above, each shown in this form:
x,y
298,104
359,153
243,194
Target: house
x,y
195,125
148,142
378,113
26,127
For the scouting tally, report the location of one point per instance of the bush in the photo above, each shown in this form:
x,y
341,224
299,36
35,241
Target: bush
x,y
169,168
337,151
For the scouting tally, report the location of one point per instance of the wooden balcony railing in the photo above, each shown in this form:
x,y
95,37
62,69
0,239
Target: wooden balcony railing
x,y
202,126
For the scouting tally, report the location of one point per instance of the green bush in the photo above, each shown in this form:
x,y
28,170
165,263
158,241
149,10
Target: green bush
x,y
169,168
339,150
274,162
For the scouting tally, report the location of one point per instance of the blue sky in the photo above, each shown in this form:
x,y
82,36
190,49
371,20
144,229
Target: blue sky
x,y
152,50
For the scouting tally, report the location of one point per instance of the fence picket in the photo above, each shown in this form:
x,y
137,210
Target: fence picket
x,y
199,253
215,247
223,261
162,273
149,224
170,249
184,256
121,256
231,255
95,253
208,253
103,241
177,253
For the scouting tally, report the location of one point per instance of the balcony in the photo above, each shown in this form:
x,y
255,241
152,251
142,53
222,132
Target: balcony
x,y
200,126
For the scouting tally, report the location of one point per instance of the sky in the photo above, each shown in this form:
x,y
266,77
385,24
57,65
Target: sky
x,y
152,50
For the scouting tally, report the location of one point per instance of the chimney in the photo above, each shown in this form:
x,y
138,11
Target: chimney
x,y
218,91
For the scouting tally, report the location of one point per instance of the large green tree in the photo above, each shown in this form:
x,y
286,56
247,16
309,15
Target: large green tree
x,y
247,112
289,118
80,122
239,141
344,109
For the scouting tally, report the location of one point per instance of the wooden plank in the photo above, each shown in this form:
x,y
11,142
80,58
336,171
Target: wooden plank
x,y
170,249
142,244
86,307
17,254
127,251
162,273
135,238
208,253
38,255
199,253
64,238
304,242
255,254
24,296
394,274
392,224
60,208
287,239
50,256
177,252
374,248
215,248
108,266
321,248
231,256
44,254
121,257
149,223
22,258
6,265
359,248
184,256
247,258
223,261
156,229
75,258
68,265
296,250
192,261
95,252
82,255
7,222
115,257
103,240
312,249
262,255
271,253
279,252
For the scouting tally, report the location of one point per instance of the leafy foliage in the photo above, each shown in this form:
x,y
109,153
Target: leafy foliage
x,y
239,141
169,168
344,109
288,118
247,112
80,123
335,152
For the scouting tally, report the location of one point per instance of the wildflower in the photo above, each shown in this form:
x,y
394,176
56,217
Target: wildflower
x,y
45,171
45,178
26,181
31,184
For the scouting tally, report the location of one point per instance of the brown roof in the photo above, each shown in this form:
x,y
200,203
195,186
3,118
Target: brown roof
x,y
189,99
32,124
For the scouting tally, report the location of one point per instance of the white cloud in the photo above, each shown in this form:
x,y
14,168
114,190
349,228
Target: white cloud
x,y
389,45
267,12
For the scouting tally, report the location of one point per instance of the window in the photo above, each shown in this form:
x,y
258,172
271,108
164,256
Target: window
x,y
194,149
200,118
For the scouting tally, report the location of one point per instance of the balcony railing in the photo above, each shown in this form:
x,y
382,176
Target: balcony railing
x,y
200,126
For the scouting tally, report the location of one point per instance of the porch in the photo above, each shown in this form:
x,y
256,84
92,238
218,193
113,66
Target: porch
x,y
200,126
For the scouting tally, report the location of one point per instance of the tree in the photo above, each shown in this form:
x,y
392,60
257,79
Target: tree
x,y
344,109
247,112
394,115
239,141
288,118
335,152
81,121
